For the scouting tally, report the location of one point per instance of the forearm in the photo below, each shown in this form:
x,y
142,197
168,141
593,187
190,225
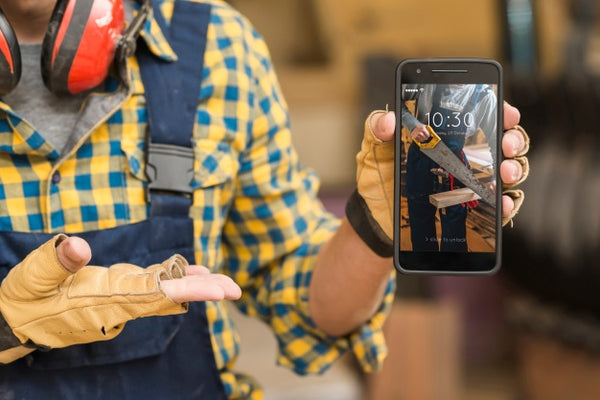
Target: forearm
x,y
348,283
408,119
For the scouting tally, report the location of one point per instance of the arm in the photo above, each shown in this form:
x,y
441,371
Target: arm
x,y
408,119
276,227
416,128
348,283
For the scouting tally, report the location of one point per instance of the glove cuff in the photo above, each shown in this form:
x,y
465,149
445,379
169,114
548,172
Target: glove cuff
x,y
366,227
8,339
11,348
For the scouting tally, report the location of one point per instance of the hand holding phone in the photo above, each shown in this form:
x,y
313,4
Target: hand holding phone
x,y
447,213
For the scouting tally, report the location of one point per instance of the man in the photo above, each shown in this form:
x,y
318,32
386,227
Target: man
x,y
254,217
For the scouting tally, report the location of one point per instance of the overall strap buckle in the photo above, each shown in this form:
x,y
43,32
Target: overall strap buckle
x,y
172,91
169,168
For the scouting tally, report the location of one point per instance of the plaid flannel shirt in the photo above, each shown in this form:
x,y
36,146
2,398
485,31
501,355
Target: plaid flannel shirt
x,y
256,213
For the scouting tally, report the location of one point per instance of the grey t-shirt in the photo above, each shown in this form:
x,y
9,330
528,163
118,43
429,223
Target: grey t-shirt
x,y
52,116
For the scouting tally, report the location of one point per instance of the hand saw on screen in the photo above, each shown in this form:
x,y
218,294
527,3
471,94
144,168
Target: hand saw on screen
x,y
437,150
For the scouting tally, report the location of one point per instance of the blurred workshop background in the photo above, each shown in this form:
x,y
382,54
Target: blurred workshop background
x,y
533,330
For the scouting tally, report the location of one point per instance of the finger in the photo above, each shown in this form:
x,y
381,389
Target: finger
x,y
513,143
512,116
383,125
510,171
208,287
196,270
73,253
507,206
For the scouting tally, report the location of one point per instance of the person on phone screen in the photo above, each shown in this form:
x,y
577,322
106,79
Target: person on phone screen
x,y
456,112
138,164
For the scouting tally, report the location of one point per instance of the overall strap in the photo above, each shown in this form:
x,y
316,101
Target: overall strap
x,y
172,90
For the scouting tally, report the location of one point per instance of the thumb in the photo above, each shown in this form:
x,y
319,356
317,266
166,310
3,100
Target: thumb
x,y
383,125
73,253
46,267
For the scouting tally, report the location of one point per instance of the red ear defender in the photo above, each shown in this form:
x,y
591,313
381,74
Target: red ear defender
x,y
10,57
80,42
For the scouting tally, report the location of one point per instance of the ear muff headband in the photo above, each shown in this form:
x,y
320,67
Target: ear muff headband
x,y
10,57
79,44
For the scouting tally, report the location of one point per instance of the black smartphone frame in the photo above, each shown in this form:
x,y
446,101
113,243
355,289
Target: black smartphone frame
x,y
450,70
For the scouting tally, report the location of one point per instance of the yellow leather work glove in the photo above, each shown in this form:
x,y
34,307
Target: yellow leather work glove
x,y
46,306
370,208
517,195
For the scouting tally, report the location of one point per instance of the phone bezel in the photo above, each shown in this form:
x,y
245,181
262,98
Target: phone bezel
x,y
447,70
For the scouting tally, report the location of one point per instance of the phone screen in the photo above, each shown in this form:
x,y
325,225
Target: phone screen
x,y
447,156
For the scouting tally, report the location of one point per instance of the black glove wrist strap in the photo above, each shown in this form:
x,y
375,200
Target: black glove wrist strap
x,y
366,227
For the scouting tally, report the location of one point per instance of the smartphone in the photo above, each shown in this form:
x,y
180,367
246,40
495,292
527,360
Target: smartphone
x,y
448,131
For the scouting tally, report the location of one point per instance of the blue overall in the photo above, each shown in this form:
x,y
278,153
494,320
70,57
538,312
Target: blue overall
x,y
421,182
153,358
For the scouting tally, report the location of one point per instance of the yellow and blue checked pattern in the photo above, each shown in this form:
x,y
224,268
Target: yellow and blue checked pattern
x,y
255,208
